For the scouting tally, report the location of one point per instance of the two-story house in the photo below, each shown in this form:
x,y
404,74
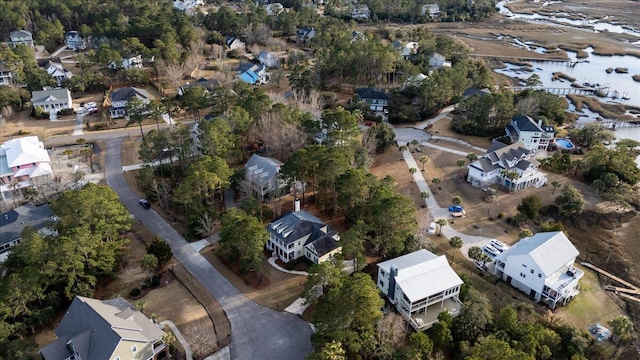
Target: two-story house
x,y
512,166
234,43
305,34
56,71
6,75
127,62
534,135
421,285
268,59
541,266
437,61
207,85
105,330
12,222
431,10
52,100
74,41
408,50
377,99
297,233
263,175
121,97
20,37
360,12
24,162
252,73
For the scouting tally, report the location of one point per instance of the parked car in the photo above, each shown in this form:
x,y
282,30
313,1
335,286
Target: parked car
x,y
93,111
455,208
491,250
498,245
480,265
90,105
432,228
145,203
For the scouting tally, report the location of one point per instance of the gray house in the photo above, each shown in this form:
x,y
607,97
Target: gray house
x,y
263,175
74,41
20,37
105,330
52,100
121,97
14,221
377,99
305,34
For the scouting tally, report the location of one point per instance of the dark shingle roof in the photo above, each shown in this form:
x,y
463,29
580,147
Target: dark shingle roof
x,y
371,93
475,91
14,221
292,226
526,123
128,92
323,245
207,84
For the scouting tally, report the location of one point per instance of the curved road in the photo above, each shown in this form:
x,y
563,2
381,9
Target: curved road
x,y
258,332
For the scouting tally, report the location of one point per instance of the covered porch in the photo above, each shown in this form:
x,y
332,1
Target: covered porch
x,y
424,318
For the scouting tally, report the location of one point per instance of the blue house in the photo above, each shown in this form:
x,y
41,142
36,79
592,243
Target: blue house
x,y
253,74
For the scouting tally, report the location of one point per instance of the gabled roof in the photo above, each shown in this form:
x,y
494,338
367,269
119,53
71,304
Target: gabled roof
x,y
230,39
295,225
322,245
14,221
500,153
128,92
475,91
526,123
24,150
20,33
550,251
96,327
261,169
207,84
422,273
50,95
371,93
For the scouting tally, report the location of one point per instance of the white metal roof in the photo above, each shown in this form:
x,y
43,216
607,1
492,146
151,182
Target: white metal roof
x,y
549,250
25,150
422,273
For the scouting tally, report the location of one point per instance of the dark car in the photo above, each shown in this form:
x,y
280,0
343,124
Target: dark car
x,y
145,203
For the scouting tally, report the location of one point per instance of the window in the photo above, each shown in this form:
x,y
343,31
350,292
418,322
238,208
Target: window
x,y
381,283
532,271
134,349
539,275
523,265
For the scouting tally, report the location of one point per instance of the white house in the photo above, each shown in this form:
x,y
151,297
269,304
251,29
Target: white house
x,y
129,61
406,50
421,285
74,41
541,266
274,9
512,166
360,12
234,43
377,99
121,97
57,71
263,175
24,162
268,59
437,61
52,100
187,5
6,75
12,222
20,37
298,233
533,135
431,10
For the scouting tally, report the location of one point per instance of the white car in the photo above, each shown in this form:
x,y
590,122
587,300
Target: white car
x,y
480,265
90,105
491,250
498,245
432,229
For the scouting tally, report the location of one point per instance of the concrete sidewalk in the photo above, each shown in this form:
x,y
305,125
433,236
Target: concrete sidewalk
x,y
179,337
423,125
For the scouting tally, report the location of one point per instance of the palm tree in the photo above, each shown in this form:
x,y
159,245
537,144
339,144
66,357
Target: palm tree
x,y
415,143
475,253
555,184
511,175
622,328
457,200
460,164
472,157
423,160
413,170
425,195
441,223
456,243
436,182
402,149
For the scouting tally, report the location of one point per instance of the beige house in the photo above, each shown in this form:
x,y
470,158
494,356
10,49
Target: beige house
x,y
105,330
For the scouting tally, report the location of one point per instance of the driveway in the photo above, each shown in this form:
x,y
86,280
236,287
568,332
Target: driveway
x,y
258,332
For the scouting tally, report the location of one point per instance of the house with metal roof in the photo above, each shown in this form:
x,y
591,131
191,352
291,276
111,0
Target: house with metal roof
x,y
297,233
52,100
512,166
421,285
534,135
377,99
263,175
56,71
541,266
24,162
252,73
120,98
268,59
12,222
437,61
20,37
234,43
105,330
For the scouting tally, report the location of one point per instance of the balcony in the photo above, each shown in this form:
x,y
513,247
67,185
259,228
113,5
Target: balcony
x,y
429,317
158,346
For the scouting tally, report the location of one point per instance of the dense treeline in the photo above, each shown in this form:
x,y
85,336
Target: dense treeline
x,y
45,272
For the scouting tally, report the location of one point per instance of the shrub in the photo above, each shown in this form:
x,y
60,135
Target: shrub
x,y
66,112
160,249
500,215
551,226
155,281
135,292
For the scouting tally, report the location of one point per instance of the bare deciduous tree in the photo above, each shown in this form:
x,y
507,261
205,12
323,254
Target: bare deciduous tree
x,y
391,335
312,104
257,34
173,71
279,137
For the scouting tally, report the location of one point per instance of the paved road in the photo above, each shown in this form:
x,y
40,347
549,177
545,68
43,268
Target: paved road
x,y
258,332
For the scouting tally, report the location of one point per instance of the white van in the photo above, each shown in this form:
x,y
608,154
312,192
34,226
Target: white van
x,y
432,229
